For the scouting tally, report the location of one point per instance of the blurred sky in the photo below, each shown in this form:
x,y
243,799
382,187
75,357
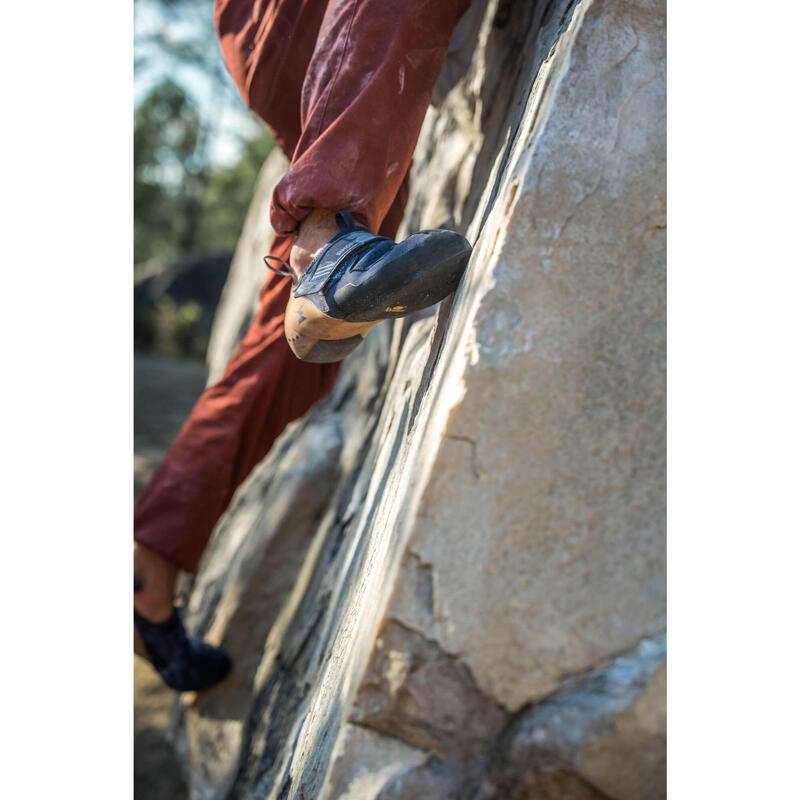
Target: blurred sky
x,y
160,28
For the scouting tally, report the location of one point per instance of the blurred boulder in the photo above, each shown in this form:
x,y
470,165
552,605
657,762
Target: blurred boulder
x,y
448,579
174,303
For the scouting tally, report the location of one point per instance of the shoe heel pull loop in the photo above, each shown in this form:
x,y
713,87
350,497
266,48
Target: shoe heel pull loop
x,y
345,221
277,271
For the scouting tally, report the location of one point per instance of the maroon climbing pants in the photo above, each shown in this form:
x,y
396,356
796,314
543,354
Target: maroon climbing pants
x,y
344,86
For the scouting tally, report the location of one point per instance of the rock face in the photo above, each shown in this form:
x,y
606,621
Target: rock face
x,y
447,581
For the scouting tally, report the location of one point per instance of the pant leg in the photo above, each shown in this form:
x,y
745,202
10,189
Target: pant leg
x,y
368,85
267,46
230,429
344,85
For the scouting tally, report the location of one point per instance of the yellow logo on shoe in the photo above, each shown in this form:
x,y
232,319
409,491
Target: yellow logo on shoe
x,y
395,308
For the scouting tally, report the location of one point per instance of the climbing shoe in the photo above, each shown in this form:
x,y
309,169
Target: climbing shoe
x,y
358,279
184,663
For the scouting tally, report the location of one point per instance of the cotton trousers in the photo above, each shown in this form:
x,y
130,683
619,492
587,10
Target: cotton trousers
x,y
344,86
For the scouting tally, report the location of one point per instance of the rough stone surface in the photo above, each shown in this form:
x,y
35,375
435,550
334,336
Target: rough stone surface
x,y
629,760
560,530
447,581
372,761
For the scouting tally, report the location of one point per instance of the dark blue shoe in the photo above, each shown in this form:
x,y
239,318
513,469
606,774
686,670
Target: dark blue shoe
x,y
184,663
358,279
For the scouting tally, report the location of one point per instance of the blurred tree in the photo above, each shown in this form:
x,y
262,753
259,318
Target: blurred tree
x,y
167,181
227,194
181,203
191,195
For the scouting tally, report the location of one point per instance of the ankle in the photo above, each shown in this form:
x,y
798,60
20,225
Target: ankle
x,y
153,606
156,580
315,231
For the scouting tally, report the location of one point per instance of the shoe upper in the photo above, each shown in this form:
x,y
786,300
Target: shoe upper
x,y
359,276
351,250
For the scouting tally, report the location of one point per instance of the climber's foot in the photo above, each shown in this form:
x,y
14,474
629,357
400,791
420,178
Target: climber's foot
x,y
184,663
356,279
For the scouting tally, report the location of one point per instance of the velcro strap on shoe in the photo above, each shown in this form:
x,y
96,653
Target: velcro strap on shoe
x,y
325,264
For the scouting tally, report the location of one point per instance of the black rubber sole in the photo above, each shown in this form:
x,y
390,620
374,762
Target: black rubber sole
x,y
420,272
328,351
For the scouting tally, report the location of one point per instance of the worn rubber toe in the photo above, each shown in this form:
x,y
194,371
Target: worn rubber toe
x,y
358,279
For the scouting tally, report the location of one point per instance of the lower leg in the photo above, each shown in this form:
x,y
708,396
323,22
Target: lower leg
x,y
314,232
229,431
154,581
269,387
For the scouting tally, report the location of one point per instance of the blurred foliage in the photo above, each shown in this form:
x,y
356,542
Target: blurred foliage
x,y
178,328
227,194
180,203
167,184
188,208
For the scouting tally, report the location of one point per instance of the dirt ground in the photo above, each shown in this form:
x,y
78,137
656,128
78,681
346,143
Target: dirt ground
x,y
156,774
164,392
